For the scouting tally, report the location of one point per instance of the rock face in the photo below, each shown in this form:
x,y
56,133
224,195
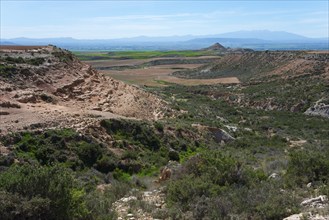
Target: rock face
x,y
317,202
56,81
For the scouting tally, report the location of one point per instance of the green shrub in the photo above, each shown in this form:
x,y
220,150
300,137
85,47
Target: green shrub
x,y
7,70
214,186
42,192
106,164
60,146
88,153
308,166
133,131
159,126
173,155
120,175
100,203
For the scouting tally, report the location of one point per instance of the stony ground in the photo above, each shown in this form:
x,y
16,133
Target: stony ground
x,y
143,206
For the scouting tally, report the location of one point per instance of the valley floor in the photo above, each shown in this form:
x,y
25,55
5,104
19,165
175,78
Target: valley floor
x,y
238,137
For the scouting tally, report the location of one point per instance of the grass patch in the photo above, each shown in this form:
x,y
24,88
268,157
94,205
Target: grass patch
x,y
139,54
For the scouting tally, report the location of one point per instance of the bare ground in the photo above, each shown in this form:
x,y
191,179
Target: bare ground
x,y
67,94
161,74
133,62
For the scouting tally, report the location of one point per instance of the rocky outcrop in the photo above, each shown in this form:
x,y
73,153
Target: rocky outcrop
x,y
219,135
168,171
52,85
317,202
216,47
309,216
319,109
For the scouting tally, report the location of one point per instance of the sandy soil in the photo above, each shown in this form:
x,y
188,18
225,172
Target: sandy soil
x,y
45,115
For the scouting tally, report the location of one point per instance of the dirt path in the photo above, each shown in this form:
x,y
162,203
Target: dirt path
x,y
46,115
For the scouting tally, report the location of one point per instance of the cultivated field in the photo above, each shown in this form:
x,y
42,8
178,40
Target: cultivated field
x,y
156,71
122,55
160,76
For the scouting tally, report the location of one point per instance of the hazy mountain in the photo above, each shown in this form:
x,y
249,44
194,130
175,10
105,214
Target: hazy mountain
x,y
227,41
6,43
259,40
264,35
157,39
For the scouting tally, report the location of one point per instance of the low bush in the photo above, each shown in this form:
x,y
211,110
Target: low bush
x,y
64,146
308,166
40,192
214,186
136,132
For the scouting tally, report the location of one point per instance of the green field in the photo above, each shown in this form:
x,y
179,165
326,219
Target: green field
x,y
140,54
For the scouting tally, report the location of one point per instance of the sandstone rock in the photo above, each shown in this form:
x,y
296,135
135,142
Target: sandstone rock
x,y
103,187
167,171
317,202
309,216
219,134
294,217
127,199
319,109
274,176
96,108
27,98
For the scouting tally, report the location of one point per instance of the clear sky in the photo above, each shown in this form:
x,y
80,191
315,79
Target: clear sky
x,y
116,19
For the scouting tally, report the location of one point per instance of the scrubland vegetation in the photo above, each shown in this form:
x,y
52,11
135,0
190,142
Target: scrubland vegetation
x,y
277,155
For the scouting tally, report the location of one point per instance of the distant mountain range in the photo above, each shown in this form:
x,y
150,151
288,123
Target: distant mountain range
x,y
258,40
264,35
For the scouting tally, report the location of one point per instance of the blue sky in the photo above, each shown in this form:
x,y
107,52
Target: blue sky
x,y
117,19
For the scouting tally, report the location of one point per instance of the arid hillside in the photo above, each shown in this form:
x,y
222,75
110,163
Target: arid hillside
x,y
255,65
47,86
